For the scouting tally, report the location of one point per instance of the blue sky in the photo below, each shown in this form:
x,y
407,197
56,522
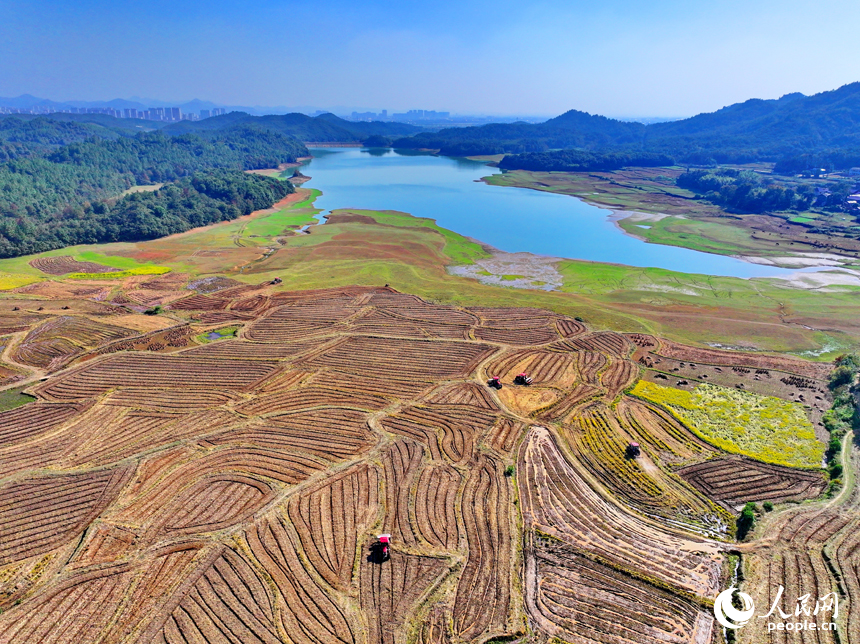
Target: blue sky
x,y
613,57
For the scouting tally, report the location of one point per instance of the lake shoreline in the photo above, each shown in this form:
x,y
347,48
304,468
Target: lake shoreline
x,y
458,194
618,216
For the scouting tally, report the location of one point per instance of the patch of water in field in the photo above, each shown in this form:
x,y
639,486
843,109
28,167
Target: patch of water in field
x,y
509,219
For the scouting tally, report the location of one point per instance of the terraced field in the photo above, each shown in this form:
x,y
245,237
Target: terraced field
x,y
68,264
812,552
160,490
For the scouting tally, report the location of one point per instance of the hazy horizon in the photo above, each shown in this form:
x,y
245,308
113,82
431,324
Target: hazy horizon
x,y
336,109
620,59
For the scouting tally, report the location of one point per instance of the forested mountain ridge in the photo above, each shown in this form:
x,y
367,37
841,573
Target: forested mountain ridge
x,y
38,135
323,128
155,157
750,131
101,122
826,117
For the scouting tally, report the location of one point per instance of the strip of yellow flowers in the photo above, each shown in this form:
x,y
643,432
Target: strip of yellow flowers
x,y
143,270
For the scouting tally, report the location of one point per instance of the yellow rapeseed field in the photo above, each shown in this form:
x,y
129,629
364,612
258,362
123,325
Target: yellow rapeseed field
x,y
142,270
762,427
11,280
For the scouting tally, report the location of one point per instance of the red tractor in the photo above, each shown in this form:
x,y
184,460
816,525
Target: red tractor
x,y
385,546
523,379
495,382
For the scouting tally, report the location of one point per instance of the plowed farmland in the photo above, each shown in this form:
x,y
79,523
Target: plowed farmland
x,y
168,486
813,552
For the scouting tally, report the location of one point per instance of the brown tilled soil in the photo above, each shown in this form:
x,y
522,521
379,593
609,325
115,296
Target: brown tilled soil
x,y
160,490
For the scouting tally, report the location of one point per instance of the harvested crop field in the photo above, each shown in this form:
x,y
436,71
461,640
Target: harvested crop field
x,y
168,489
735,481
68,264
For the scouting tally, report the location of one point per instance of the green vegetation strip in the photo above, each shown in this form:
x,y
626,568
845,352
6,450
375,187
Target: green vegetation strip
x,y
843,416
765,428
114,261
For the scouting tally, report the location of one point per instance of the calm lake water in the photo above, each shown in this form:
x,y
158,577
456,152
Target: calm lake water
x,y
510,219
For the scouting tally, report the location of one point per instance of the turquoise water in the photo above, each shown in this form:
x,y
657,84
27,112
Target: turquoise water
x,y
510,219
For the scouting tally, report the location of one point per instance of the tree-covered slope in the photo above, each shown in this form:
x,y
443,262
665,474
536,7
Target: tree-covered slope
x,y
102,122
198,200
56,196
24,135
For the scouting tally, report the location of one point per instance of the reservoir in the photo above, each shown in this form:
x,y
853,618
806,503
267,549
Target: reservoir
x,y
509,219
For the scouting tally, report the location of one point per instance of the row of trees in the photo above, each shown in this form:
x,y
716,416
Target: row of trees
x,y
829,160
745,191
583,161
200,199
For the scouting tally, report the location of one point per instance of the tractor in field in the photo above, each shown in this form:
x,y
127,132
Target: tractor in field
x,y
384,547
495,382
523,379
632,450
277,280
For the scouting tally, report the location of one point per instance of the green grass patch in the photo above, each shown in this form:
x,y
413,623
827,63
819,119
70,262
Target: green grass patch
x,y
762,427
293,216
278,223
114,261
709,236
12,398
309,201
457,248
511,278
218,334
140,270
799,219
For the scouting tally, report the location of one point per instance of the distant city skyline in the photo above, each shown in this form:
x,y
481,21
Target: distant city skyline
x,y
192,110
618,58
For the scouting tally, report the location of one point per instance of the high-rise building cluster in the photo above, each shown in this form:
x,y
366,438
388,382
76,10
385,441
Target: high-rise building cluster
x,y
169,114
411,115
420,115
